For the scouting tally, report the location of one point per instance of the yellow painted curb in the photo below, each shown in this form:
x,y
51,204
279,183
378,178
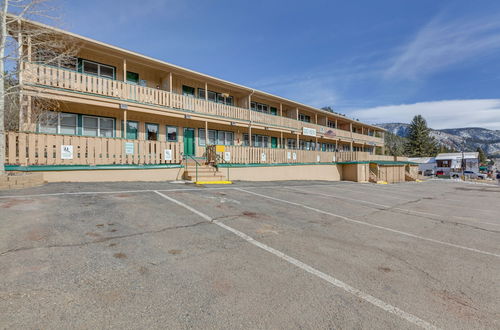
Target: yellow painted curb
x,y
213,182
381,182
418,180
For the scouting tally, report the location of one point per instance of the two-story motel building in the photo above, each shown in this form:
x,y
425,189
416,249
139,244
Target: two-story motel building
x,y
111,93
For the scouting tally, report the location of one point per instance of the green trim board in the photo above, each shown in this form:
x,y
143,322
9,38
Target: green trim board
x,y
36,168
224,165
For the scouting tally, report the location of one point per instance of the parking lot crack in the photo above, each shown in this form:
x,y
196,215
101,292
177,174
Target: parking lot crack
x,y
104,239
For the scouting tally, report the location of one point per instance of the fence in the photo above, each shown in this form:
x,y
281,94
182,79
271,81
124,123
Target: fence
x,y
47,149
253,155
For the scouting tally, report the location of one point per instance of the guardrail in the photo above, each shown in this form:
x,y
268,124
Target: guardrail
x,y
48,149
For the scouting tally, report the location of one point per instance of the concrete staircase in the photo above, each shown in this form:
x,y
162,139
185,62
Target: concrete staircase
x,y
206,172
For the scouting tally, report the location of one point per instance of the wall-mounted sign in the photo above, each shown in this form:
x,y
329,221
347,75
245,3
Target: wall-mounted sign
x,y
308,131
219,148
294,156
263,157
168,154
288,155
227,156
129,148
334,158
318,158
66,152
123,106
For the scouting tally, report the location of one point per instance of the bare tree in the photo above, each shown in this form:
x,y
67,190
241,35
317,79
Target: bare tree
x,y
23,40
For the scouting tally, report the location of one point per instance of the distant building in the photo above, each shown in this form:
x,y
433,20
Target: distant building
x,y
453,162
424,163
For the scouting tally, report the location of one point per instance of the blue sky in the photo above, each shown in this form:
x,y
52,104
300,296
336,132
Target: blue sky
x,y
378,61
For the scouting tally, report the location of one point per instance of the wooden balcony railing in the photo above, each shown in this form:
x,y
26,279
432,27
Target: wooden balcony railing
x,y
43,75
47,149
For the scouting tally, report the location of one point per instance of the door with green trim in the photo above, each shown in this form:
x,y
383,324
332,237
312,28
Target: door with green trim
x,y
189,148
274,142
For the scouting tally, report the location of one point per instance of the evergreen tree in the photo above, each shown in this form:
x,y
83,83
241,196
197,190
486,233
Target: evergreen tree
x,y
420,143
394,145
482,156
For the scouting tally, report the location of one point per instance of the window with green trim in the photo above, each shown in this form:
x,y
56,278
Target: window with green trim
x,y
187,91
132,130
172,133
98,126
152,131
304,118
52,122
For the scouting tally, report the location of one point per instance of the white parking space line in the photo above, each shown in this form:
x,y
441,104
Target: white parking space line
x,y
108,192
388,207
372,225
328,278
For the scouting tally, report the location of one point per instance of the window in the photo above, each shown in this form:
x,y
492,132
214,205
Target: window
x,y
274,111
187,91
304,118
106,127
331,124
68,123
215,97
215,137
98,126
132,130
58,123
151,132
291,143
259,107
260,141
90,126
171,133
132,77
98,69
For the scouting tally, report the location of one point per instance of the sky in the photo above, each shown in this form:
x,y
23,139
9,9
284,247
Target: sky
x,y
377,61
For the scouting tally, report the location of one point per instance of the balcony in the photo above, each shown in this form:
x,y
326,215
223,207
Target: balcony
x,y
38,75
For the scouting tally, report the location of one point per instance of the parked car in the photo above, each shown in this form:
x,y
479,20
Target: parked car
x,y
440,173
429,172
474,175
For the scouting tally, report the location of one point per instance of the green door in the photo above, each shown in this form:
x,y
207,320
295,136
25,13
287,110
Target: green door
x,y
274,142
189,141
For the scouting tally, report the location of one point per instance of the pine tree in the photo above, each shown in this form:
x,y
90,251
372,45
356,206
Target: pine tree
x,y
482,155
420,143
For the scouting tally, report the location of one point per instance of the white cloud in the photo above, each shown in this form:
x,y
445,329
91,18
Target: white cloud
x,y
439,114
441,44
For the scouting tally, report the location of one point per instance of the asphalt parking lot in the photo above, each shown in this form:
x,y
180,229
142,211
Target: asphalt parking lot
x,y
251,255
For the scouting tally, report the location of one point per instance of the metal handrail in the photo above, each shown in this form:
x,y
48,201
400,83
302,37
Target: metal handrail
x,y
221,159
185,157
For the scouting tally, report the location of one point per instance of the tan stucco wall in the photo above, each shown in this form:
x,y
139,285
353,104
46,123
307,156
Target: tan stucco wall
x,y
281,173
355,172
114,175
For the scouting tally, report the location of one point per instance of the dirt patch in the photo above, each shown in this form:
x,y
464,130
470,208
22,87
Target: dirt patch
x,y
112,230
120,255
99,225
175,251
112,244
250,214
36,234
384,269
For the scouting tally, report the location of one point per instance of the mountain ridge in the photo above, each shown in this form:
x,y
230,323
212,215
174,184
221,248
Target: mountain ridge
x,y
466,138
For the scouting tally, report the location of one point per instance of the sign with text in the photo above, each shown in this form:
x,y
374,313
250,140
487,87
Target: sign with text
x,y
66,152
294,156
288,155
263,157
168,154
227,156
308,131
129,148
330,132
